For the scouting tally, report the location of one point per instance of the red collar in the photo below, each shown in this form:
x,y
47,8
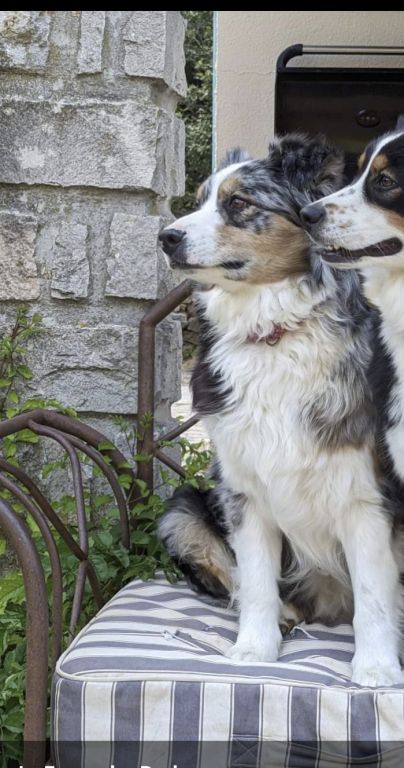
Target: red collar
x,y
271,338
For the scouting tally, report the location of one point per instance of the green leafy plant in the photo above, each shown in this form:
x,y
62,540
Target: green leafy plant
x,y
114,565
196,107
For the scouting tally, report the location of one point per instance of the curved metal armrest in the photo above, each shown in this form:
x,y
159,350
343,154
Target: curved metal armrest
x,y
73,436
36,684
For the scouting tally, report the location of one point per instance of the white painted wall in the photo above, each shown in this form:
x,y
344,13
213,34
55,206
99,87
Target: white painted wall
x,y
248,44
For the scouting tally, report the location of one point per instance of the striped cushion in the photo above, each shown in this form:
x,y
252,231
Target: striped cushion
x,y
147,683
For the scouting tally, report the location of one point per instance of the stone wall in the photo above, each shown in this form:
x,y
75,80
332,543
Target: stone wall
x,y
90,154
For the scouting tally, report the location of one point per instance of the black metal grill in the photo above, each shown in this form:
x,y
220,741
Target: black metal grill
x,y
350,105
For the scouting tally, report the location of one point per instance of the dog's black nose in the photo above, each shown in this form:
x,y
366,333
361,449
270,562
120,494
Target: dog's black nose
x,y
170,238
312,214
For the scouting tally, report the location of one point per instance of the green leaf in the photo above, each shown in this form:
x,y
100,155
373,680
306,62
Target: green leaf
x,y
11,590
13,397
102,500
106,538
105,445
32,403
143,487
10,412
26,436
24,371
145,457
13,720
149,514
125,481
140,537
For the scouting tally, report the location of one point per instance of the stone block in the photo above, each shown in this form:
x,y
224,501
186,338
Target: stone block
x,y
154,47
90,143
92,27
70,267
172,154
133,265
24,40
18,269
92,369
168,360
175,55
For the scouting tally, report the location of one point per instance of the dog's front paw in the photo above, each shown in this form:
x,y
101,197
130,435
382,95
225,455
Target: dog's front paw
x,y
248,649
377,674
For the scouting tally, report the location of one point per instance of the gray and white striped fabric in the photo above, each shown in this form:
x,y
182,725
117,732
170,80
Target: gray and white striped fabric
x,y
147,683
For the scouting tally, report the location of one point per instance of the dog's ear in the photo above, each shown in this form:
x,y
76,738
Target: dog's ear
x,y
311,165
235,155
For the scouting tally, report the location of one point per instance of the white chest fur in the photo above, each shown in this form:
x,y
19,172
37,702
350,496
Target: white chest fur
x,y
385,288
266,449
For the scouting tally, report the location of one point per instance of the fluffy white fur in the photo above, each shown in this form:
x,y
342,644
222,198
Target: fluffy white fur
x,y
384,286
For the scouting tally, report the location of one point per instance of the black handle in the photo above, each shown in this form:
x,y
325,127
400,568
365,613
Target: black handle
x,y
288,54
336,50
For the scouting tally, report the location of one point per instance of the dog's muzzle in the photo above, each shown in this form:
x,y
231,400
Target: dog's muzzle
x,y
311,215
173,244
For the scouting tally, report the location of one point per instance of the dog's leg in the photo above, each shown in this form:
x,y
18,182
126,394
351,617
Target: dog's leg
x,y
258,555
367,542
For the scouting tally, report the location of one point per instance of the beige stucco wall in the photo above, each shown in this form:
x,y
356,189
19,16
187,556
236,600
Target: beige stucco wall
x,y
247,46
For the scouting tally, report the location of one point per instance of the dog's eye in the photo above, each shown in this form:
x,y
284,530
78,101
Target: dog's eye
x,y
386,182
237,203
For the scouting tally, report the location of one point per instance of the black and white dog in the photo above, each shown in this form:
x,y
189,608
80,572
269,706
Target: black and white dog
x,y
362,227
281,383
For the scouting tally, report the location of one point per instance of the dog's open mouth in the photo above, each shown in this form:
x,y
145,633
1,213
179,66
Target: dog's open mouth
x,y
234,264
384,248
